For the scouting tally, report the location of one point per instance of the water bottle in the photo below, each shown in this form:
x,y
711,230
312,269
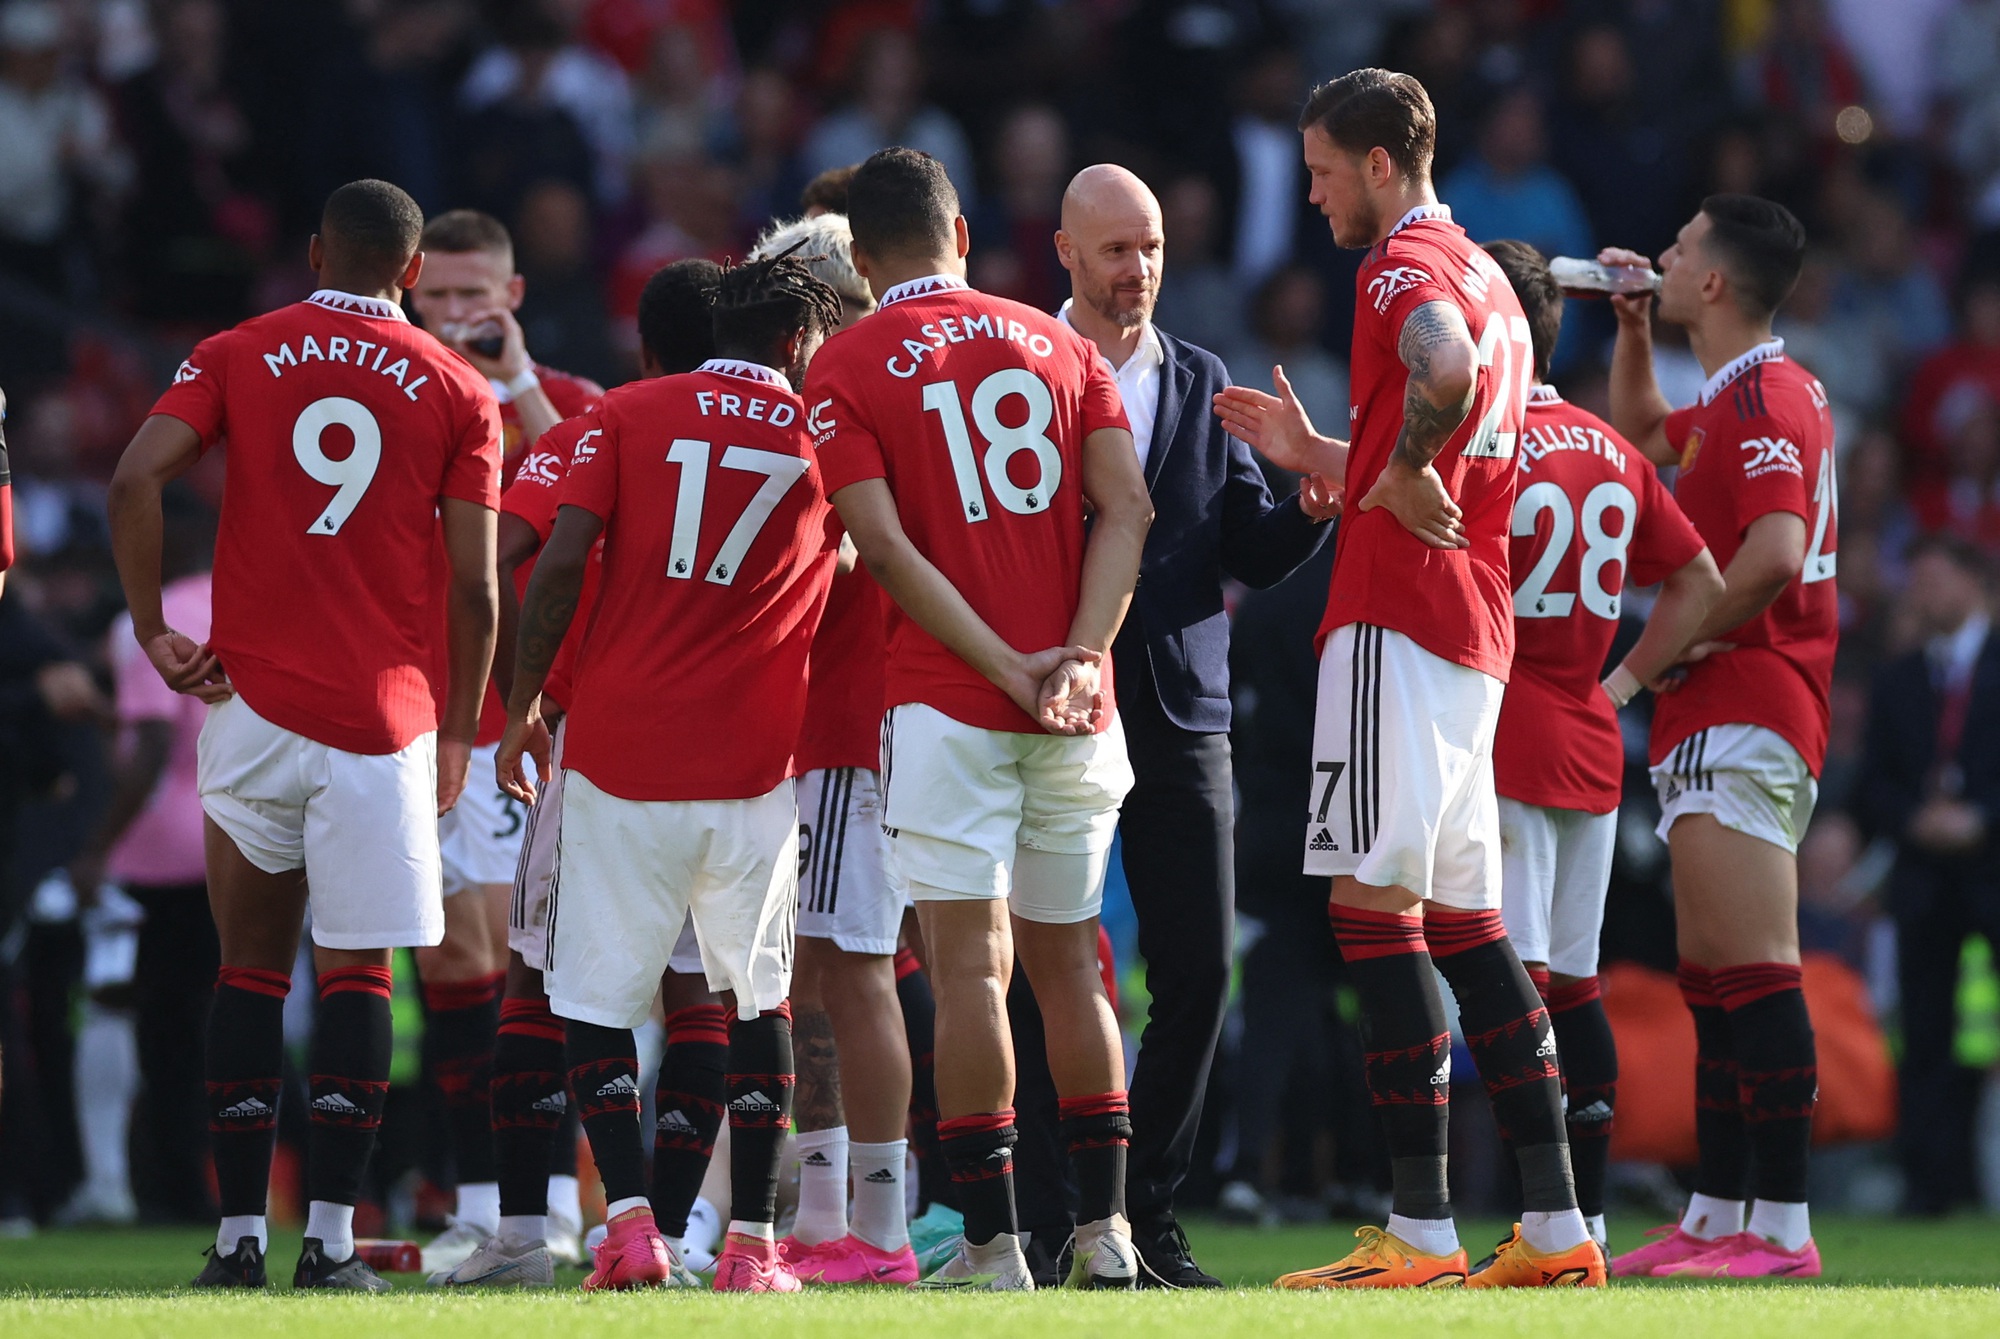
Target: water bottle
x,y
390,1257
1589,279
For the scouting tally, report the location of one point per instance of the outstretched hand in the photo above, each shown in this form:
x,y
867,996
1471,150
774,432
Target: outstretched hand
x,y
1276,426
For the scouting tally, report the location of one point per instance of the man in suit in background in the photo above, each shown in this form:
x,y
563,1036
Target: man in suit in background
x,y
1930,783
1214,518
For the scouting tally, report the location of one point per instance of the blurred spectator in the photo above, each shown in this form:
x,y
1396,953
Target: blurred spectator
x,y
681,98
1199,298
536,68
1013,246
55,506
1892,46
1507,188
1265,179
690,210
1968,505
1178,61
1840,349
765,146
1887,287
1801,70
1285,317
888,107
1930,785
55,135
563,315
1971,359
1612,141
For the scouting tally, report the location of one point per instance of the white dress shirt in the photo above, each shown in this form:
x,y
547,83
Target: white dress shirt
x,y
1138,384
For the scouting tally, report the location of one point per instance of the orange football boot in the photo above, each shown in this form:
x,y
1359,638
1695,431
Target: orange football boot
x,y
1518,1265
1383,1261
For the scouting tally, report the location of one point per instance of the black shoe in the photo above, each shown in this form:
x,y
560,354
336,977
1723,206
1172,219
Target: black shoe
x,y
351,1274
1049,1251
241,1268
1166,1258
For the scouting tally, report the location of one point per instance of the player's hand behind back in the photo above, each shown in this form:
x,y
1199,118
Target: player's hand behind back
x,y
187,667
1062,688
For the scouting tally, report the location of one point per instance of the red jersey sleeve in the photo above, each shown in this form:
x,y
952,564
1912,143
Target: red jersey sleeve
x,y
592,482
1663,539
1394,291
1761,454
473,472
1102,406
848,449
196,397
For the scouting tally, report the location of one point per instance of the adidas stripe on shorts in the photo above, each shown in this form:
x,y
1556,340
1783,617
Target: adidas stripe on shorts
x,y
1402,784
1747,776
845,892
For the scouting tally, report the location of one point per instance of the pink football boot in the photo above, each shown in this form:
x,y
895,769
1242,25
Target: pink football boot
x,y
1746,1256
852,1260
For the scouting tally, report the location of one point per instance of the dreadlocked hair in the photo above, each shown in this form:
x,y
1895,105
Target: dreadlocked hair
x,y
759,304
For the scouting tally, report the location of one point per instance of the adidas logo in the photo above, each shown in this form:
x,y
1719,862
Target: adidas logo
x,y
1322,841
1442,1079
755,1102
556,1102
248,1107
676,1122
881,1177
622,1086
337,1103
816,1159
1593,1114
1547,1050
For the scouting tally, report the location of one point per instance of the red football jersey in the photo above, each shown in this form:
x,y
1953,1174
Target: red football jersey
x,y
692,680
1455,603
346,426
570,394
1761,440
534,496
974,409
843,725
1591,515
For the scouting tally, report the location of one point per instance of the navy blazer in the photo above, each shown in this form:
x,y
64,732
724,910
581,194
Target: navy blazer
x,y
1213,516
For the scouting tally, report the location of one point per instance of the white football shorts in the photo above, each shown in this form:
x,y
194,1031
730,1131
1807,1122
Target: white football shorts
x,y
1748,776
982,814
1555,868
845,891
528,916
480,838
631,872
363,826
1402,785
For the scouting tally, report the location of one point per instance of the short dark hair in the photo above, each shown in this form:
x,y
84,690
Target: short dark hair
x,y
1541,300
760,304
902,203
1762,247
372,226
1957,550
457,231
827,192
1377,109
674,321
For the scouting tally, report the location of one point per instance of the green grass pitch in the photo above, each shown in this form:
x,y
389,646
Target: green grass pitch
x,y
1884,1280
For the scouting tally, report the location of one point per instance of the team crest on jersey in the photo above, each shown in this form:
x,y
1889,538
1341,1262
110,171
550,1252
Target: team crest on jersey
x,y
1767,455
1693,448
186,372
1384,287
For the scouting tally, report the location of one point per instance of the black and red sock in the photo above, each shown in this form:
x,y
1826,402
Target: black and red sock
x,y
246,1052
1723,1169
1408,1048
979,1148
687,1110
1777,1072
1507,1029
462,1020
1098,1133
351,1051
759,1087
604,1078
530,1098
913,992
1590,1084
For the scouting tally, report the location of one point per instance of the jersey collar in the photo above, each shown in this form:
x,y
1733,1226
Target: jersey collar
x,y
1433,213
1740,364
353,303
736,367
916,288
1543,393
1149,352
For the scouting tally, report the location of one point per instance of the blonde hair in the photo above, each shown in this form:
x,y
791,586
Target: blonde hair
x,y
827,250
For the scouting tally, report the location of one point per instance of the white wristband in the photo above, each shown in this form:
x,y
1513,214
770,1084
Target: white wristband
x,y
522,384
1621,685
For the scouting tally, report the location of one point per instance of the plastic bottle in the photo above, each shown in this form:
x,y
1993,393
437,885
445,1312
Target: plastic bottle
x,y
390,1257
1589,279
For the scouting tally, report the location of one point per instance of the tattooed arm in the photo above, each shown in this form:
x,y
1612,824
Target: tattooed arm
x,y
1443,362
546,613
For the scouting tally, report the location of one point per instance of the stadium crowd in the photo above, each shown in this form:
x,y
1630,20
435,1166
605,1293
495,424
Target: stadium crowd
x,y
161,164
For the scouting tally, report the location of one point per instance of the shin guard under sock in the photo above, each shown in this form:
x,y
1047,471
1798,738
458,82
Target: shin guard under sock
x,y
462,1020
913,993
1590,1081
530,1098
759,1086
687,1110
1408,1048
604,1078
980,1151
1507,1030
1777,1072
246,1050
351,1047
1098,1132
1723,1171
